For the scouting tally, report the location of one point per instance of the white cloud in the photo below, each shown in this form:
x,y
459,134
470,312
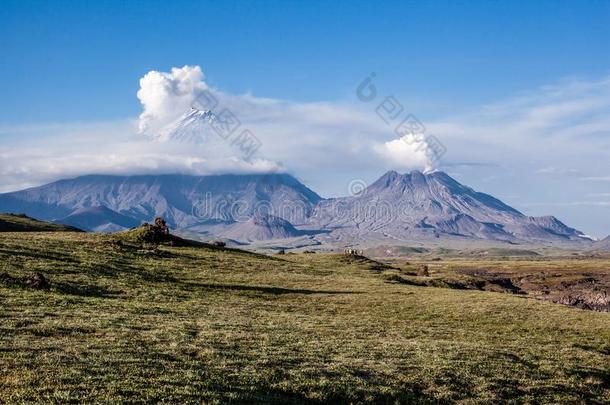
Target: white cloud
x,y
109,148
558,171
596,178
572,203
165,96
563,129
408,152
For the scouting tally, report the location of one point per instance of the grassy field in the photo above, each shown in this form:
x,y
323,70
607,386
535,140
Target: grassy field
x,y
129,323
23,223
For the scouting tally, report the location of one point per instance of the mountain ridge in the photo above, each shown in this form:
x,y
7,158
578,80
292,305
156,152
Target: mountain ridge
x,y
603,244
418,206
413,206
183,200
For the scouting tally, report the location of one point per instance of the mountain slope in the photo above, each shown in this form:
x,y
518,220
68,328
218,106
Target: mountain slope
x,y
261,227
99,219
603,244
417,206
193,126
184,201
396,208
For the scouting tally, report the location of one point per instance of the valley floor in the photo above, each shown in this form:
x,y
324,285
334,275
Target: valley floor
x,y
128,323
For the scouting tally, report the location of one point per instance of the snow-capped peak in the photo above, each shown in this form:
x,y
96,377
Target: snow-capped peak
x,y
198,114
192,126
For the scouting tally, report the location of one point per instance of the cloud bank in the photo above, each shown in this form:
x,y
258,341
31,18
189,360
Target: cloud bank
x,y
298,137
285,129
548,126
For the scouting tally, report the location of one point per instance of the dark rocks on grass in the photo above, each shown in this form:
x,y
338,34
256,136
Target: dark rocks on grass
x,y
6,279
153,233
353,252
38,281
161,225
423,271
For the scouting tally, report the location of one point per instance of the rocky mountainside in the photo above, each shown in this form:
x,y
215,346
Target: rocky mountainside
x,y
183,201
99,219
603,244
260,227
418,206
412,207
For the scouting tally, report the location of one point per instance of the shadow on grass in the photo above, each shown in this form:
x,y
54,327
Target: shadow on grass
x,y
269,395
454,285
230,389
36,254
600,376
262,289
605,350
85,290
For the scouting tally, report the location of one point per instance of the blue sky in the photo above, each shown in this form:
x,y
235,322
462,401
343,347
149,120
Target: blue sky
x,y
519,92
443,54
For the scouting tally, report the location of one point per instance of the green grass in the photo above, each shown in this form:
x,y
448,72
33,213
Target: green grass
x,y
23,223
124,323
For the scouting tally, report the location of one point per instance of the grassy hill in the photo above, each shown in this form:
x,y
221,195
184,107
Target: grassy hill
x,y
23,223
134,323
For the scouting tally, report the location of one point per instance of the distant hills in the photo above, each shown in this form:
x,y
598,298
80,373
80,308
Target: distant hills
x,y
99,219
261,227
396,208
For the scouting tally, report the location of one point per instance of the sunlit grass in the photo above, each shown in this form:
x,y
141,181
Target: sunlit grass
x,y
126,323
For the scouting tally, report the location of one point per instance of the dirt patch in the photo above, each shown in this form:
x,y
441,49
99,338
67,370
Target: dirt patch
x,y
577,289
592,300
503,285
436,282
581,289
